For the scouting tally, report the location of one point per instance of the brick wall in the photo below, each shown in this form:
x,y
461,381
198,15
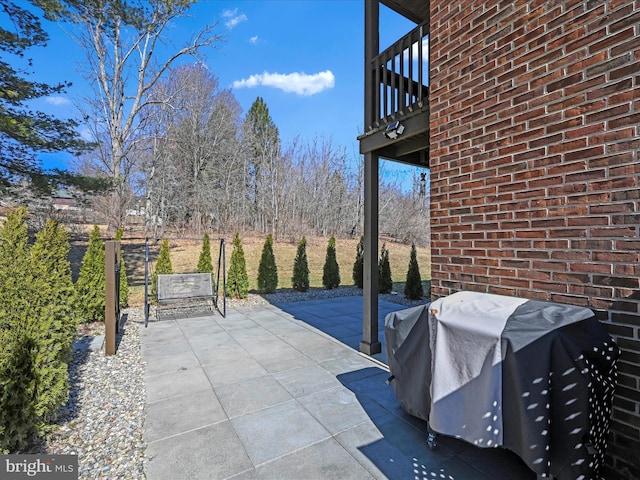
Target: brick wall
x,y
535,175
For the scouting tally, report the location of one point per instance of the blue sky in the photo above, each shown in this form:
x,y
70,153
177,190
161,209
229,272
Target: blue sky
x,y
303,57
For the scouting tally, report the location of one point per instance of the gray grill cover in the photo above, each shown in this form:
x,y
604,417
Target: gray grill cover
x,y
557,377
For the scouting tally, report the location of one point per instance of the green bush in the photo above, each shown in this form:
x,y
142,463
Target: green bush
x,y
413,288
204,262
90,286
331,269
385,281
124,282
237,278
267,270
358,265
300,279
163,265
37,326
18,421
57,318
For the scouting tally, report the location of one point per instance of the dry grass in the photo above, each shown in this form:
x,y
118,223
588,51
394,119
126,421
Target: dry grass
x,y
185,253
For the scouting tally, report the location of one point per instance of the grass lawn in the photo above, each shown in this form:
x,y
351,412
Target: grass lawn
x,y
185,253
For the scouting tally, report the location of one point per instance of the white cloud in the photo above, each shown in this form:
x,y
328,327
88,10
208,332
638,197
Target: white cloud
x,y
298,83
254,39
233,18
57,101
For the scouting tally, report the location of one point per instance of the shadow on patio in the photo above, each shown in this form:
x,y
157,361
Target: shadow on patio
x,y
268,392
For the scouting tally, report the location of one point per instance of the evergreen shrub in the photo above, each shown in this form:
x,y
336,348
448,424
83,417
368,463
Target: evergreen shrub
x,y
413,288
358,265
237,278
163,265
385,281
90,286
56,316
267,270
37,326
300,279
18,421
124,282
331,269
204,262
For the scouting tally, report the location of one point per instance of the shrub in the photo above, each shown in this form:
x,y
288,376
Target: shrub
x,y
413,288
56,318
163,265
37,326
237,278
18,421
267,270
331,269
300,279
358,265
124,282
385,282
204,262
91,281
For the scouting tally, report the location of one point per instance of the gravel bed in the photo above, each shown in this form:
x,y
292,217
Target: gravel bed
x,y
289,295
103,421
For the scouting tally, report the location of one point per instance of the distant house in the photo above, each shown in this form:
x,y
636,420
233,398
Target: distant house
x,y
63,200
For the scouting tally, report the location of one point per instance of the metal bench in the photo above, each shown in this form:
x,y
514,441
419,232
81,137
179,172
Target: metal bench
x,y
186,290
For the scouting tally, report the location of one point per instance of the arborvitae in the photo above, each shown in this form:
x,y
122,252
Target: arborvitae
x,y
124,283
163,265
267,270
331,269
18,325
413,288
300,279
237,278
358,265
204,262
385,282
56,319
90,286
15,270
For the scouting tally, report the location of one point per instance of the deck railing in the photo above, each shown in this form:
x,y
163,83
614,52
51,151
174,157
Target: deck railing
x,y
400,76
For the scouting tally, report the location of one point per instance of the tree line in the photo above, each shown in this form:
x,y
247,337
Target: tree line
x,y
167,140
200,165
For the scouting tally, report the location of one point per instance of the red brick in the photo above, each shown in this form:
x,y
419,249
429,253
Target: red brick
x,y
540,101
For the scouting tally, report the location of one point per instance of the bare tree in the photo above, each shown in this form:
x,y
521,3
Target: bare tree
x,y
123,42
195,127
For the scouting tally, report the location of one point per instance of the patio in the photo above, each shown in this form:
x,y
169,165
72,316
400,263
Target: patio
x,y
281,392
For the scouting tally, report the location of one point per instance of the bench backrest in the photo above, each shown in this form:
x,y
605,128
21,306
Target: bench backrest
x,y
184,285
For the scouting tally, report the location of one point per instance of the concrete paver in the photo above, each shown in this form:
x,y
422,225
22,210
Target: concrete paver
x,y
280,392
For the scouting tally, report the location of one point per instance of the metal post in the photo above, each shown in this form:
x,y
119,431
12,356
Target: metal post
x,y
222,268
224,280
146,282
